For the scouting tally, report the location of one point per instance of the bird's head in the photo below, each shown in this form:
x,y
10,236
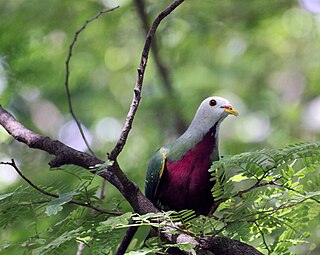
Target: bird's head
x,y
211,111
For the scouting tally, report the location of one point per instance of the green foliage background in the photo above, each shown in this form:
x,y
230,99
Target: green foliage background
x,y
261,55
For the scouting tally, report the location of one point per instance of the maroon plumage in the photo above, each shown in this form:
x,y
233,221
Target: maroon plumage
x,y
185,184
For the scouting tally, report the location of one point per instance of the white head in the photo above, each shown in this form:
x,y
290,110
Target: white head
x,y
211,112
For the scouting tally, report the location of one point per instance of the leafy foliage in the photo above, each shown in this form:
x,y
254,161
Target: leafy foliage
x,y
265,198
52,232
273,193
263,54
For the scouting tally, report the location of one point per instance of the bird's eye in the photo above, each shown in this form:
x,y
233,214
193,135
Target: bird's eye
x,y
212,102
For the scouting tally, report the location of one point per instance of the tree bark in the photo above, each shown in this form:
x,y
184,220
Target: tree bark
x,y
226,246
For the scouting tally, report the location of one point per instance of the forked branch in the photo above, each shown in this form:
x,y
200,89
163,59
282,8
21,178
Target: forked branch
x,y
64,155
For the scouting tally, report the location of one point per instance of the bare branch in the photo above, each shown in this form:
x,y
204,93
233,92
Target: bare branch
x,y
63,153
66,155
140,75
164,73
97,209
68,71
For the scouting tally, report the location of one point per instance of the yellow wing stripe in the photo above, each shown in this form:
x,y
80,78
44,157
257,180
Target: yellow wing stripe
x,y
163,165
164,156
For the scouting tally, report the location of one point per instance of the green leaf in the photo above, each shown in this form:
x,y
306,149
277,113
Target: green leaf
x,y
100,168
290,171
5,245
54,206
185,246
4,196
238,178
116,222
144,251
54,244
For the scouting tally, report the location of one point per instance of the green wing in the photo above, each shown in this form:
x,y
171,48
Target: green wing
x,y
154,172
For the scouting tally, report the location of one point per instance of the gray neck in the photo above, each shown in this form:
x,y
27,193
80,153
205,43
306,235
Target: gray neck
x,y
193,135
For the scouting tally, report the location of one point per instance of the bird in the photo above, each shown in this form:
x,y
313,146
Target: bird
x,y
177,176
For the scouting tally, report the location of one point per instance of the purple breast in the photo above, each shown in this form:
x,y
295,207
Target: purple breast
x,y
186,183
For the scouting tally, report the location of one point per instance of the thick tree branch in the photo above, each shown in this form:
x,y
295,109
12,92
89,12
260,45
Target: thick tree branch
x,y
63,153
66,155
212,245
226,246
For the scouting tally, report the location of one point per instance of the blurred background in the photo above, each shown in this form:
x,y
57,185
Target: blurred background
x,y
263,56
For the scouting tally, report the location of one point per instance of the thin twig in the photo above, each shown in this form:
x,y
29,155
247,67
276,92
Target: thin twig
x,y
251,218
164,72
296,191
162,69
140,75
136,100
71,46
13,164
102,189
263,238
81,245
258,184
